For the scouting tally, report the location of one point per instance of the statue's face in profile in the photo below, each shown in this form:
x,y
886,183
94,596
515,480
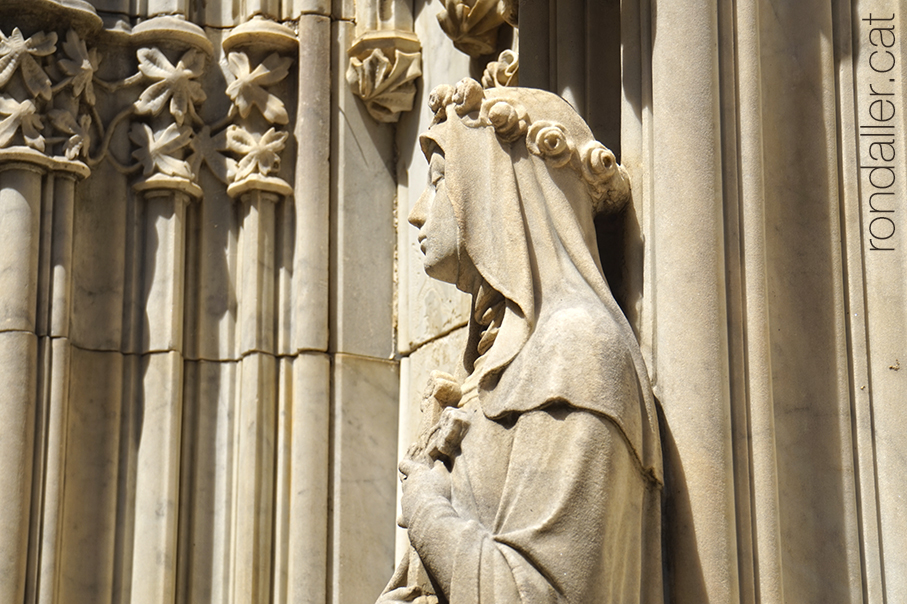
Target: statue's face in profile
x,y
433,215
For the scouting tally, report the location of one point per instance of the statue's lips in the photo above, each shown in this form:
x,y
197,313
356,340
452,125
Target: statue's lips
x,y
422,243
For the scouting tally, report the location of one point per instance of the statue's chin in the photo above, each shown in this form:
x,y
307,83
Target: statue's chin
x,y
444,270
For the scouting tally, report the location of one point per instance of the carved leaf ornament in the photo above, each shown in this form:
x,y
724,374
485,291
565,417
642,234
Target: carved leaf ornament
x,y
206,149
20,115
80,139
245,85
16,52
473,24
80,66
260,153
175,83
385,84
156,152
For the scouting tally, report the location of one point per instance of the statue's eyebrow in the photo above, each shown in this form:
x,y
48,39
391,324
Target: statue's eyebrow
x,y
436,164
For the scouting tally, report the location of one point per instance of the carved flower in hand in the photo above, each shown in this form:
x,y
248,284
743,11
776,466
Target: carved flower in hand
x,y
80,140
156,152
16,51
20,115
260,153
245,85
175,83
549,140
80,66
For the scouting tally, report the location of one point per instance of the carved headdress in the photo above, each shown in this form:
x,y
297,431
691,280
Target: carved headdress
x,y
526,177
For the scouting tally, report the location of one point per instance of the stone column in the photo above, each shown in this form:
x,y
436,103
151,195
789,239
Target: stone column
x,y
36,199
301,528
54,376
20,228
159,411
256,432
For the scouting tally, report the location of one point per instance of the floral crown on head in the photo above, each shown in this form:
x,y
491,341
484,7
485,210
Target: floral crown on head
x,y
559,144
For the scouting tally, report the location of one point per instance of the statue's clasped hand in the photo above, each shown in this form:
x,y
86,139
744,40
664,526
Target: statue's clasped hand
x,y
424,472
422,482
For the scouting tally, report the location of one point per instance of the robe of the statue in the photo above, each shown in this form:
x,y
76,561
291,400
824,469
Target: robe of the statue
x,y
556,490
549,502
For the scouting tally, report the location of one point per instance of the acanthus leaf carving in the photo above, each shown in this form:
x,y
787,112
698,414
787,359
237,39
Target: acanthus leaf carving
x,y
17,52
175,83
385,81
245,86
20,116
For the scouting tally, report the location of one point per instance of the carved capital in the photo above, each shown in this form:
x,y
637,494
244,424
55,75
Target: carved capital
x,y
473,24
384,67
253,136
46,88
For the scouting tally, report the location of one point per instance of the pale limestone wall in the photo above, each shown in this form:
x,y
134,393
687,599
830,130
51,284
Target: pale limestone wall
x,y
759,284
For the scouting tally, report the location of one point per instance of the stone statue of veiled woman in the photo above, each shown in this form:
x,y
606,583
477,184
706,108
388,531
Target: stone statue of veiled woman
x,y
541,481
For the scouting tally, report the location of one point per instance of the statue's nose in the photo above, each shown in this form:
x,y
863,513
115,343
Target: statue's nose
x,y
417,215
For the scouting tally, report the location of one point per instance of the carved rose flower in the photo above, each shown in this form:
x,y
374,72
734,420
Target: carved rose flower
x,y
175,83
606,180
549,140
80,140
467,96
440,97
506,119
80,66
156,152
16,52
503,72
20,115
245,85
260,152
600,163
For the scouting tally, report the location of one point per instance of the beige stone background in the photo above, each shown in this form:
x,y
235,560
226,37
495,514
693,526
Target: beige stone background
x,y
204,399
